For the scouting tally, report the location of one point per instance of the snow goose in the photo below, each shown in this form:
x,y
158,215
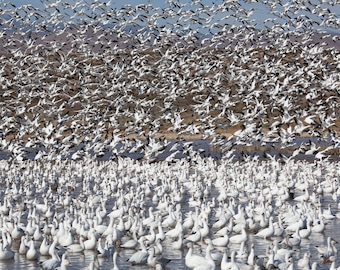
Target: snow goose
x,y
131,243
65,239
304,262
38,236
156,262
149,220
150,238
90,243
151,260
77,247
239,238
205,228
105,230
242,253
267,232
56,263
32,253
23,247
221,241
5,254
44,247
52,263
278,227
287,264
318,225
178,244
293,240
17,232
194,261
141,256
104,251
195,237
329,250
305,233
232,265
114,260
327,213
160,234
333,267
175,232
189,222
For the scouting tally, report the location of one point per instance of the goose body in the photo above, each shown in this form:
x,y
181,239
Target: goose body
x,y
32,253
194,261
5,254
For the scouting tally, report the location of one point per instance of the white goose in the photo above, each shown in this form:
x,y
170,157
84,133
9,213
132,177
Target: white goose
x,y
239,238
91,242
131,243
32,253
56,263
304,262
77,247
194,261
221,241
114,260
267,232
232,265
141,256
5,254
44,247
327,251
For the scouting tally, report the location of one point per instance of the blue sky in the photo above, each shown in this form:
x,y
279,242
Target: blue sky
x,y
260,12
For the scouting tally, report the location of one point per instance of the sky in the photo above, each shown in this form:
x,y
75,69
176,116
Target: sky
x,y
260,12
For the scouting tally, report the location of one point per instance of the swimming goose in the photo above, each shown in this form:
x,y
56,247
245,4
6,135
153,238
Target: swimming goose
x,y
114,260
305,233
5,254
327,251
333,267
51,263
32,253
287,264
141,256
178,244
293,240
77,247
304,262
151,260
232,265
105,251
221,241
239,238
267,232
175,232
44,247
17,232
131,243
150,238
195,261
23,247
56,263
91,242
195,237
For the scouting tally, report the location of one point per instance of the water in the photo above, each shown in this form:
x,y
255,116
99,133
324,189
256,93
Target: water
x,y
76,176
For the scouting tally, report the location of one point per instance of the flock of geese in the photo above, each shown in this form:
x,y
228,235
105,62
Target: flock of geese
x,y
100,108
79,79
202,214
